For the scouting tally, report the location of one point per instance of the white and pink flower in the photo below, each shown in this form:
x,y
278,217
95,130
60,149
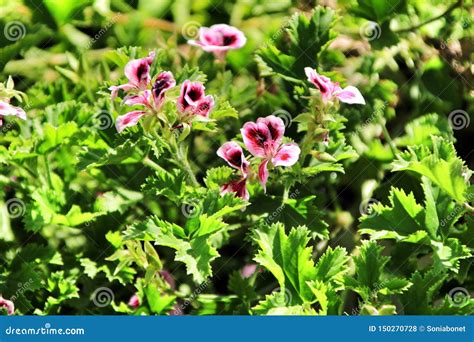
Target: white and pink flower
x,y
263,139
219,39
137,72
134,301
8,305
192,99
6,109
138,92
233,154
330,89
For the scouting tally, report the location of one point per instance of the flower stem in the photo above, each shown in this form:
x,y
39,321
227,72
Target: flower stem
x,y
151,164
186,166
48,172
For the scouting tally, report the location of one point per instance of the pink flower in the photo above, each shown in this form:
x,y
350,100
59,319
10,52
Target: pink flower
x,y
168,278
7,304
6,109
233,154
134,301
137,72
331,89
129,119
264,140
219,39
248,270
239,187
192,99
163,82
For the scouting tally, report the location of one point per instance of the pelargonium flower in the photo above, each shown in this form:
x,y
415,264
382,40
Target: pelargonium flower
x,y
152,99
7,304
263,139
6,109
192,99
137,72
239,187
219,39
233,154
134,301
330,89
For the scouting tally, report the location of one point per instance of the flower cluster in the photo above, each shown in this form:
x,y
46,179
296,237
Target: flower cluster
x,y
219,39
330,90
149,93
263,139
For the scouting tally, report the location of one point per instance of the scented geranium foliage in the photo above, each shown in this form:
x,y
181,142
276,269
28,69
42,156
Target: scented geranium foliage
x,y
236,158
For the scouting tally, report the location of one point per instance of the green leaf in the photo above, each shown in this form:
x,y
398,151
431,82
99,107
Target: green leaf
x,y
369,266
441,166
196,253
378,10
332,265
287,258
308,37
404,216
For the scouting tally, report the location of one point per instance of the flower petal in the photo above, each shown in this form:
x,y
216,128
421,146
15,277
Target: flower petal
x,y
134,301
276,128
163,82
256,138
137,99
233,154
129,119
351,95
7,304
322,83
190,94
138,71
219,38
204,106
263,174
7,109
287,155
238,187
115,89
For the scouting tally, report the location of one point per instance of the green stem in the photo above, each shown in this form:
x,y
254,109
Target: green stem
x,y
151,164
450,9
390,142
182,156
48,172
